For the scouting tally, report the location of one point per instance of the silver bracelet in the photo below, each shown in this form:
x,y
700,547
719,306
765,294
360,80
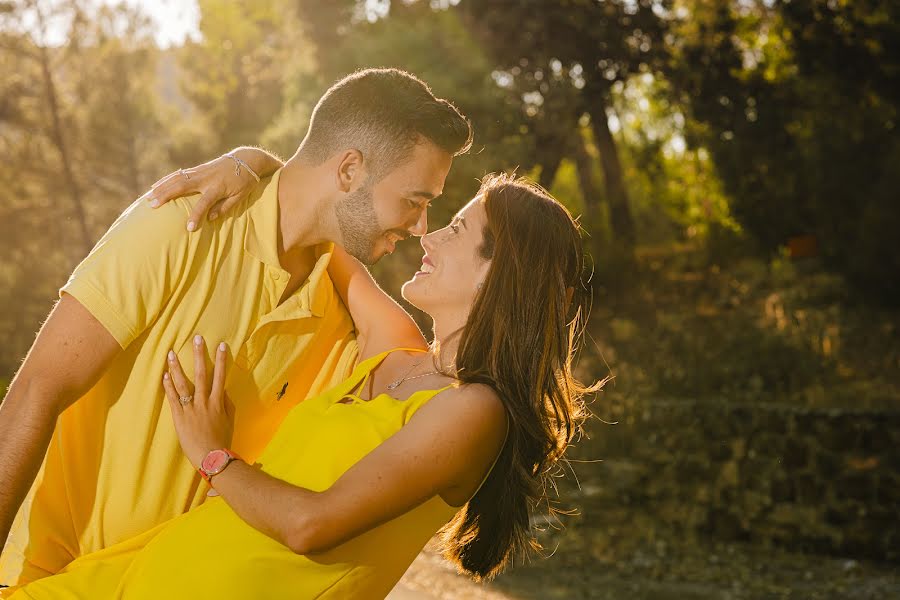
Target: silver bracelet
x,y
238,163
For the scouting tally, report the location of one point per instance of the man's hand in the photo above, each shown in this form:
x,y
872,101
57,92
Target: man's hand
x,y
220,183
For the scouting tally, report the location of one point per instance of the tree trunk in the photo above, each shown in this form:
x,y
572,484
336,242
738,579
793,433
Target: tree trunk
x,y
548,171
60,143
590,193
620,219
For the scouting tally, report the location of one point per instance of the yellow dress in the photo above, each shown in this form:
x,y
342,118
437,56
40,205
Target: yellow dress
x,y
209,552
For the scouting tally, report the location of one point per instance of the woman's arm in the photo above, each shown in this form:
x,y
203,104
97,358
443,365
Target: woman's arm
x,y
380,322
456,433
220,183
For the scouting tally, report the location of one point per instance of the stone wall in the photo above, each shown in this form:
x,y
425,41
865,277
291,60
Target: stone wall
x,y
812,480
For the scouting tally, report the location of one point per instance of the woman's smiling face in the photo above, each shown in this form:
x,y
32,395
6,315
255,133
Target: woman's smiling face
x,y
452,267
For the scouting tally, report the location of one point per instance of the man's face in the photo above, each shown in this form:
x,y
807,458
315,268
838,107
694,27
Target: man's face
x,y
373,219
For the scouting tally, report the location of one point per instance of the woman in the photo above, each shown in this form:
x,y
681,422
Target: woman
x,y
459,435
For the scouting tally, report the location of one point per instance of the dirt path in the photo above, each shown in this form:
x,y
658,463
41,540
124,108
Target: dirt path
x,y
697,571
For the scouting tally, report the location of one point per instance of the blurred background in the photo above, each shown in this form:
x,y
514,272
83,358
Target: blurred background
x,y
736,167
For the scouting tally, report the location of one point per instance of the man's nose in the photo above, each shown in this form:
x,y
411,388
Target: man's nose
x,y
421,226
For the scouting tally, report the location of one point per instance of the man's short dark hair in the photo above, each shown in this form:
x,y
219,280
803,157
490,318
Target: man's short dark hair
x,y
383,113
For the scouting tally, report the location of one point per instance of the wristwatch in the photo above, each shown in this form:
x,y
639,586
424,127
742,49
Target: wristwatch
x,y
215,462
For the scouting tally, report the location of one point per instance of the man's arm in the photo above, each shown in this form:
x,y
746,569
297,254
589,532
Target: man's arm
x,y
71,352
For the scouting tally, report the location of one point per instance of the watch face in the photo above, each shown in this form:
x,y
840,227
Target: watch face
x,y
215,461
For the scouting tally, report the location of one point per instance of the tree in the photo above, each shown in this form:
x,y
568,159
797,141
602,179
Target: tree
x,y
81,138
233,76
798,104
595,44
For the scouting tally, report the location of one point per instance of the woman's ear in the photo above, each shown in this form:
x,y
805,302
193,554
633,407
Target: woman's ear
x,y
350,170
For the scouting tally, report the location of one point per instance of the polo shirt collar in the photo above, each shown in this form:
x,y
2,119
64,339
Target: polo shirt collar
x,y
262,230
262,242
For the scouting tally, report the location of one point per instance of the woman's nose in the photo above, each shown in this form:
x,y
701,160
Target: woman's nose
x,y
427,241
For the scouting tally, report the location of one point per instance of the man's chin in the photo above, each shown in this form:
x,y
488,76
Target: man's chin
x,y
366,257
375,256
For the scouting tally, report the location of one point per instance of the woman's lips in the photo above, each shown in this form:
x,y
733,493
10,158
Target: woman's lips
x,y
427,267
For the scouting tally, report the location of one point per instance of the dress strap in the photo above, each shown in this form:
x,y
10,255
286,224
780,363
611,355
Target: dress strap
x,y
363,370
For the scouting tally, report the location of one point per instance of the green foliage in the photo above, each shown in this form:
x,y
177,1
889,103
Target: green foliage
x,y
730,126
798,104
81,136
751,331
234,75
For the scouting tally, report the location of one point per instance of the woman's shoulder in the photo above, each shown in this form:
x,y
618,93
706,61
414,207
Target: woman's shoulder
x,y
474,402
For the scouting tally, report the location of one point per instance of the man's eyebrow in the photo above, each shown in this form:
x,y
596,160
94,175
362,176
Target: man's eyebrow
x,y
426,195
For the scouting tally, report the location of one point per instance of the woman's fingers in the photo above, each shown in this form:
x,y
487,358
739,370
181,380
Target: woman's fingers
x,y
218,383
158,181
200,383
215,211
182,386
171,394
208,197
170,187
225,205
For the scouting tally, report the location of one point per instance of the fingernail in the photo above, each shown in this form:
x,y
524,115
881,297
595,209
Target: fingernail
x,y
198,340
191,226
154,202
171,355
166,376
222,346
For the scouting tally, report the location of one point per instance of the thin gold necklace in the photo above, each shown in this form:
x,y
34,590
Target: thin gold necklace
x,y
396,383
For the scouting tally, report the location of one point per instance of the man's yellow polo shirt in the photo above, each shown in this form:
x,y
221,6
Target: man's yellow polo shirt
x,y
114,467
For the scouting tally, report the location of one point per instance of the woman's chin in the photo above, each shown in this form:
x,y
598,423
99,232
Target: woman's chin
x,y
413,292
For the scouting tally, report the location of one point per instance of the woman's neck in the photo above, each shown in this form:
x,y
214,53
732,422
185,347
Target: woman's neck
x,y
447,334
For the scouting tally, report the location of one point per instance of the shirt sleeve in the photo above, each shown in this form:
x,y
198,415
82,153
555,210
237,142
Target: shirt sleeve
x,y
135,267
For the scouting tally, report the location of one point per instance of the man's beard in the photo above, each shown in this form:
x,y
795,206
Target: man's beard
x,y
359,224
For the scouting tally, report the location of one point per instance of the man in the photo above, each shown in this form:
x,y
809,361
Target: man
x,y
89,394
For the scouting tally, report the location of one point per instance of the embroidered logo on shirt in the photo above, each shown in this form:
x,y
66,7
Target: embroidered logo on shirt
x,y
281,393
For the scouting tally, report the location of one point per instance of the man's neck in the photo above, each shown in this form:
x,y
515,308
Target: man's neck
x,y
305,214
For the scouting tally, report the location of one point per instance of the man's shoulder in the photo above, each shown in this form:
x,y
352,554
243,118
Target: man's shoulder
x,y
141,222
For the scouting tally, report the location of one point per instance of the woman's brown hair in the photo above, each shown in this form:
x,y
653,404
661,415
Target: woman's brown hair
x,y
524,329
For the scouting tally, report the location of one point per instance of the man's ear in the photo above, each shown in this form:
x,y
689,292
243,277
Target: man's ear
x,y
351,170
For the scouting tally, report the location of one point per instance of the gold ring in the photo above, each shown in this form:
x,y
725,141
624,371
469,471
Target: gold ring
x,y
185,400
